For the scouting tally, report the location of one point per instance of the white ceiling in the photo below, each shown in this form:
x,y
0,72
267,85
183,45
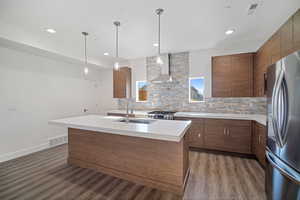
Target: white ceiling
x,y
186,25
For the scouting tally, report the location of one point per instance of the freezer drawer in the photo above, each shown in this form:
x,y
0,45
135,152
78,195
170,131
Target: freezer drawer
x,y
280,183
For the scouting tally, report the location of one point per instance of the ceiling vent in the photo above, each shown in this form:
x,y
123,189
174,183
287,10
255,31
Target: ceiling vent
x,y
252,8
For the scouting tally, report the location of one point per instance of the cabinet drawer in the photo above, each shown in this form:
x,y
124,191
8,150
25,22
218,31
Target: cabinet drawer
x,y
238,123
227,122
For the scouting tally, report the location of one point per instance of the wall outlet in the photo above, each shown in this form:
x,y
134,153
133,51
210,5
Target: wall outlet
x,y
58,141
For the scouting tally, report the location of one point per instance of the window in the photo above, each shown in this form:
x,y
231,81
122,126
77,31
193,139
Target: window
x,y
141,91
196,89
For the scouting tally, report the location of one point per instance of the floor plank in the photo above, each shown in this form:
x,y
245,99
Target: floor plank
x,y
46,175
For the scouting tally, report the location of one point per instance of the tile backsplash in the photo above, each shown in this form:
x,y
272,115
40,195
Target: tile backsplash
x,y
174,95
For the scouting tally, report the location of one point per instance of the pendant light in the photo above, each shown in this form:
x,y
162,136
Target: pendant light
x,y
86,69
159,12
117,65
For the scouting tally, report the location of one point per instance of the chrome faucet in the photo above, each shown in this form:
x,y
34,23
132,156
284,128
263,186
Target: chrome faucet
x,y
128,100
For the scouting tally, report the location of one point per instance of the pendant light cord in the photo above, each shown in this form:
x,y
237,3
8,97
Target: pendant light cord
x,y
117,41
158,34
85,49
159,12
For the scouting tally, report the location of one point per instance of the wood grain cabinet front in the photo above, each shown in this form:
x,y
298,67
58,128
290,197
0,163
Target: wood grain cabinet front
x,y
286,38
259,142
283,42
220,134
195,135
232,75
228,135
215,134
296,31
122,83
221,73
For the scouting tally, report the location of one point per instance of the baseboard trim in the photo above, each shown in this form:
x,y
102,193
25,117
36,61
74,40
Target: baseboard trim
x,y
24,152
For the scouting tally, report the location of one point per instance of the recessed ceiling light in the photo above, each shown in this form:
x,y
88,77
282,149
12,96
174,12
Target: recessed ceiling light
x,y
50,30
155,45
229,31
106,54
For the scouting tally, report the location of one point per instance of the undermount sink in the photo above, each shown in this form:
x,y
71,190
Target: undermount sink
x,y
138,121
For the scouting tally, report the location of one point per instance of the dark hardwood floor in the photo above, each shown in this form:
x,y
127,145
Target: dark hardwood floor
x,y
46,175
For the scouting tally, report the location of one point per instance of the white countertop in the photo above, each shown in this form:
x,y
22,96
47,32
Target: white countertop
x,y
169,130
262,119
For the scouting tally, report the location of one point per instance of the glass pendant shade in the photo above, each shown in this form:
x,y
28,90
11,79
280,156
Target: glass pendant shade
x,y
159,60
116,66
86,70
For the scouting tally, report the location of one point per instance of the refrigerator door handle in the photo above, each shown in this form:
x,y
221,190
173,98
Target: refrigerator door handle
x,y
284,169
275,103
284,104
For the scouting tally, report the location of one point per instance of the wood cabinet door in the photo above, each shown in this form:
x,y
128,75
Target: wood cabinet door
x,y
258,82
286,37
242,75
196,133
239,138
259,142
261,148
215,137
255,134
221,73
122,82
275,45
296,31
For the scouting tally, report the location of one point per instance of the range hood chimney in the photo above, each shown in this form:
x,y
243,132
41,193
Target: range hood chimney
x,y
165,73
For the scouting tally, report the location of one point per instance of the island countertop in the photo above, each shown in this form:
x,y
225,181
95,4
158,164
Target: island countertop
x,y
169,130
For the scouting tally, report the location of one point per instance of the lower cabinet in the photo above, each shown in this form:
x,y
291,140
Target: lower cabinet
x,y
196,132
259,142
218,134
228,135
195,136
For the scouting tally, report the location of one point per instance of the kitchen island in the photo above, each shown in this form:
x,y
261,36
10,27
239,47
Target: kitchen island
x,y
148,152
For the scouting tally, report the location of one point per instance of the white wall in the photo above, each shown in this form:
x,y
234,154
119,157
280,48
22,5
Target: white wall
x,y
139,73
200,66
35,89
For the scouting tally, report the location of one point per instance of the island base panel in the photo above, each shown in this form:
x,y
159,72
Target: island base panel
x,y
155,163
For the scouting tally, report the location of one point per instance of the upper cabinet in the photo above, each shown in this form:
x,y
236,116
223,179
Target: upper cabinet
x,y
296,31
286,37
284,42
122,83
232,75
221,67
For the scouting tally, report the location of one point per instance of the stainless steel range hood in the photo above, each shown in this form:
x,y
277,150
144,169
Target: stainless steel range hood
x,y
165,73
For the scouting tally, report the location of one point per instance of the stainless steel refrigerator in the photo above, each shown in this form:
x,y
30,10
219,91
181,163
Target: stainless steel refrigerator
x,y
283,143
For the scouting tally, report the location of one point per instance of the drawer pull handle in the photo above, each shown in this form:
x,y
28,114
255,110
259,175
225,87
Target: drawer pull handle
x,y
199,135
